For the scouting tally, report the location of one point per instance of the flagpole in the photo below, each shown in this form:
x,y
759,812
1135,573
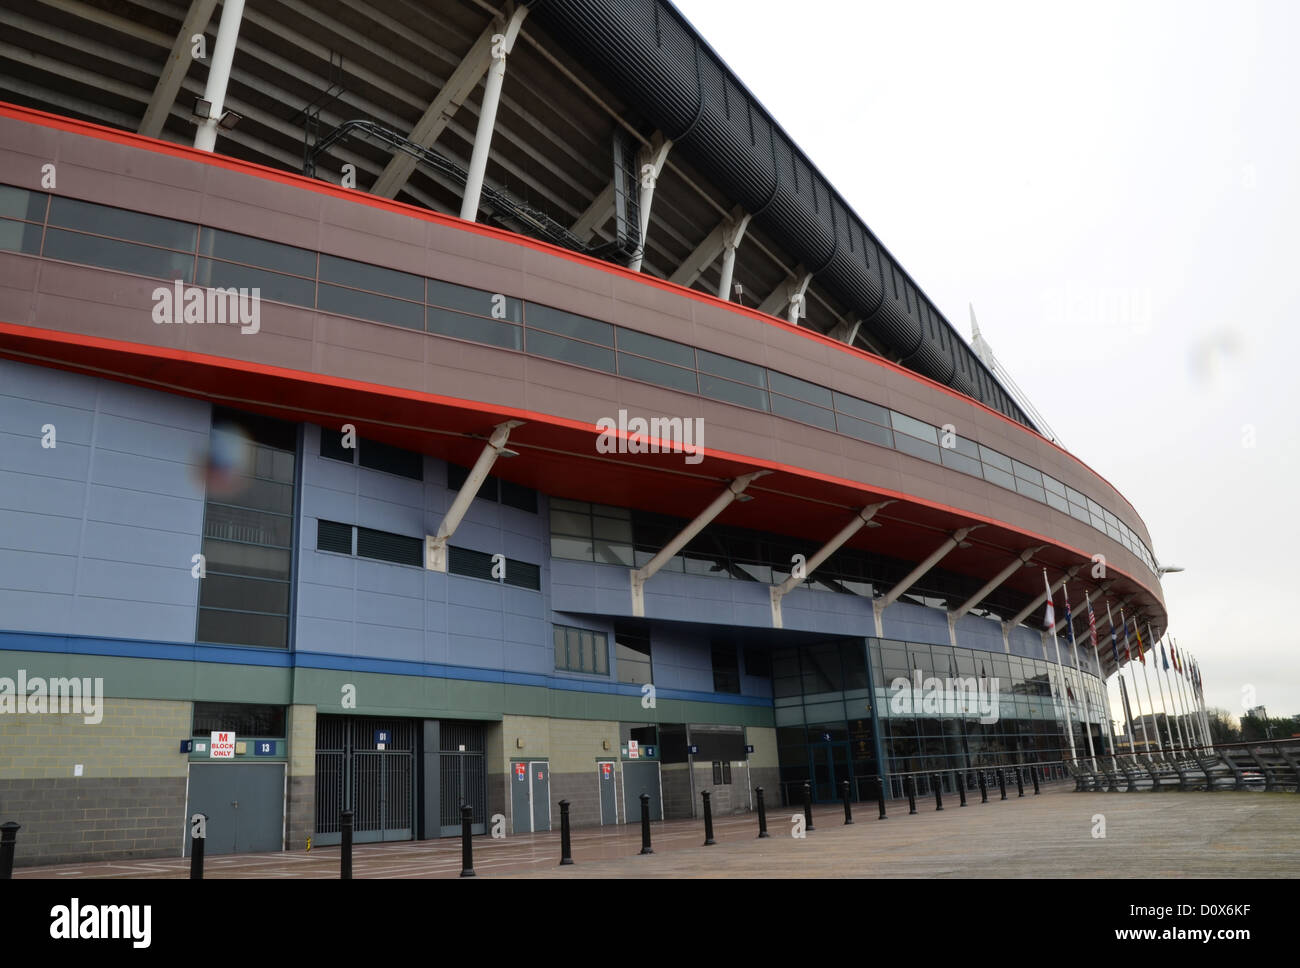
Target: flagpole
x,y
1119,672
1184,686
1167,651
1146,739
1164,703
1151,701
1078,674
1200,692
1051,630
1105,682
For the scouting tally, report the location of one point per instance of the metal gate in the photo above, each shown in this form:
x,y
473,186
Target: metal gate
x,y
463,776
352,773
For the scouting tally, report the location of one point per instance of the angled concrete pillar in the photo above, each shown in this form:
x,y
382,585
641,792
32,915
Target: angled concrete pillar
x,y
788,296
435,545
880,604
650,162
223,55
858,522
1024,612
647,571
710,248
989,586
502,43
177,66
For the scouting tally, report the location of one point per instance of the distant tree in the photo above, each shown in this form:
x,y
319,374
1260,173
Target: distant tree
x,y
1267,727
1223,728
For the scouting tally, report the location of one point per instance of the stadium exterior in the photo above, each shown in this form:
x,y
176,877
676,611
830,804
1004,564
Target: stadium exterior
x,y
650,476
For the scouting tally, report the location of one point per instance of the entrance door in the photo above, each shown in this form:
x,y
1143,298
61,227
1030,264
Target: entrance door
x,y
641,776
521,798
244,804
829,763
608,792
463,782
539,778
367,766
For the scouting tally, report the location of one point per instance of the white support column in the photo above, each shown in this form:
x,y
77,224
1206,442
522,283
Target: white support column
x,y
735,233
1024,612
1078,677
1021,561
788,296
879,605
223,55
710,248
502,42
440,111
177,66
848,531
1065,700
435,546
647,571
650,162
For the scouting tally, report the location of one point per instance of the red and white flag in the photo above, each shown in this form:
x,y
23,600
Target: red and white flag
x,y
1049,622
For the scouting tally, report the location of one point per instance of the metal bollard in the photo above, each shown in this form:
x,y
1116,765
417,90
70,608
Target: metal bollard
x,y
345,851
1020,782
645,824
198,837
466,841
762,813
880,797
708,819
938,792
848,809
961,787
911,795
807,807
1033,775
984,788
8,844
1002,783
566,846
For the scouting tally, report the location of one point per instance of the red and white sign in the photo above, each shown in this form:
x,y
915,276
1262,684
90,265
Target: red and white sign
x,y
521,770
223,746
605,769
633,749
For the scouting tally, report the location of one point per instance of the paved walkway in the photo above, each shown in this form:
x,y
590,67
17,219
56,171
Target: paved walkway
x,y
1147,835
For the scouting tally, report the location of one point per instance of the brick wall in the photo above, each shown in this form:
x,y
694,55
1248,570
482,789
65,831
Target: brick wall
x,y
129,801
301,808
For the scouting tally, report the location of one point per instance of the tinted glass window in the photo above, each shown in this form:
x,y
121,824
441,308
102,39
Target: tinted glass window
x,y
360,275
861,409
720,389
914,428
864,430
660,374
20,203
999,477
806,412
994,459
498,306
364,305
118,223
122,256
20,237
917,448
569,324
270,285
394,460
960,462
475,328
737,370
257,252
242,628
799,389
242,719
630,341
570,351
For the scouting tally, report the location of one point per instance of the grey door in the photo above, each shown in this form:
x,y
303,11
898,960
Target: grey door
x,y
244,804
521,804
608,792
640,776
539,778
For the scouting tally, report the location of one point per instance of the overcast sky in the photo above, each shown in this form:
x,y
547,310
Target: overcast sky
x,y
1114,187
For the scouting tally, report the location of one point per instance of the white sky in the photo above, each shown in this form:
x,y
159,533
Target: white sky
x,y
1116,189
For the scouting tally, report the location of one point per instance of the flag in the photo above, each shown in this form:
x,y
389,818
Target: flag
x,y
1138,632
1092,626
1164,658
1069,621
1173,654
1114,645
1049,621
1128,653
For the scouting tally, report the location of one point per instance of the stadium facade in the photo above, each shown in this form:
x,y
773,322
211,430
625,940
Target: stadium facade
x,y
650,474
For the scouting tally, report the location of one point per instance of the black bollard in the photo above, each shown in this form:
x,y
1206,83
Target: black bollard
x,y
708,820
645,824
466,841
938,792
8,844
1020,782
911,795
807,807
1033,775
848,809
961,788
762,813
566,847
984,788
1002,783
345,851
880,797
198,837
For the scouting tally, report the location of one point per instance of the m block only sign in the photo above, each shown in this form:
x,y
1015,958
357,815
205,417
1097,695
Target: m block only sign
x,y
223,746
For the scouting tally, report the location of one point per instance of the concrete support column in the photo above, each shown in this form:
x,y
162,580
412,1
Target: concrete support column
x,y
223,55
502,43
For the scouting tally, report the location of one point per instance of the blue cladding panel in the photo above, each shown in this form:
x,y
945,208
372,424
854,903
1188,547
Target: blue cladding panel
x,y
118,499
